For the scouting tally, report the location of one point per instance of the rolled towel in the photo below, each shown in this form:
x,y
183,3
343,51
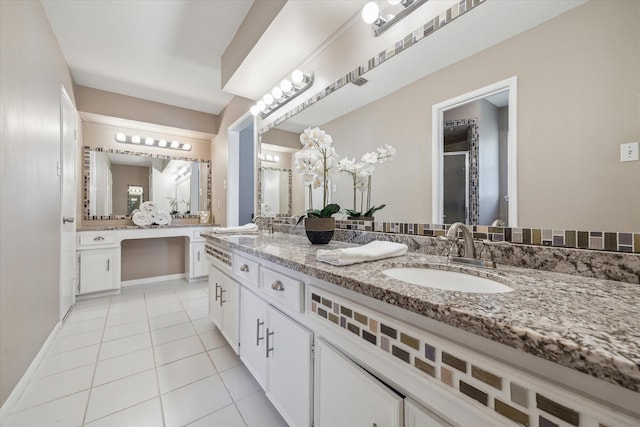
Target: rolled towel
x,y
163,218
370,252
149,207
142,219
247,228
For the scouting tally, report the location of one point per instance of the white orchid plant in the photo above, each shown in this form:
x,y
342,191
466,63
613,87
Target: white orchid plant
x,y
317,161
361,173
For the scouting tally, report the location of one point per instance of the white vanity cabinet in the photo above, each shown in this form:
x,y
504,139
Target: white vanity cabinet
x,y
346,395
98,262
277,351
224,299
417,416
199,267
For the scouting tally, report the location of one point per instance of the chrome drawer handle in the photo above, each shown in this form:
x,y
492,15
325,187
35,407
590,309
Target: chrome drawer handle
x,y
277,286
98,238
244,268
268,350
258,337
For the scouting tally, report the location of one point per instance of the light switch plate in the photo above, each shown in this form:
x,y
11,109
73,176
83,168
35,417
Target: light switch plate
x,y
629,152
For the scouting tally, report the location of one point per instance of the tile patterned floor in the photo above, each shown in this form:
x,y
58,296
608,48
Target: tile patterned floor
x,y
150,356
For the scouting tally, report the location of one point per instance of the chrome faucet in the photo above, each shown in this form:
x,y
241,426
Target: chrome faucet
x,y
468,247
262,219
469,258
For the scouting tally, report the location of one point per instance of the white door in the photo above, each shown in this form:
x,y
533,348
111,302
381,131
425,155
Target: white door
x,y
67,202
290,369
230,298
97,270
216,281
347,396
253,326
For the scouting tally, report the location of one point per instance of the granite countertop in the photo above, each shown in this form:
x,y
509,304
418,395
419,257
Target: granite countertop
x,y
591,325
138,227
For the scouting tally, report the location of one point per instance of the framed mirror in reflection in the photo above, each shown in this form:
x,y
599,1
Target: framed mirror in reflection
x,y
117,182
274,197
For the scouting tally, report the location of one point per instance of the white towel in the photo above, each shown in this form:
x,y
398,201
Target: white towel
x,y
149,207
162,218
370,252
142,219
247,228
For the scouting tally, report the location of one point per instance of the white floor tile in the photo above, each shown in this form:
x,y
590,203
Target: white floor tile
x,y
124,345
224,358
63,412
161,310
80,327
92,303
185,371
258,411
82,315
176,350
213,339
194,401
225,417
117,395
72,342
191,294
203,325
123,366
115,319
172,333
56,363
45,389
198,313
199,302
239,382
137,305
125,330
146,414
156,300
168,320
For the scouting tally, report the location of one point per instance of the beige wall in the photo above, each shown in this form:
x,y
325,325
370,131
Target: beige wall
x,y
578,100
123,177
127,107
143,258
31,70
219,155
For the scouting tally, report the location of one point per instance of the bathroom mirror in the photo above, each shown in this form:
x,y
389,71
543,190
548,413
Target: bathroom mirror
x,y
275,191
116,183
569,173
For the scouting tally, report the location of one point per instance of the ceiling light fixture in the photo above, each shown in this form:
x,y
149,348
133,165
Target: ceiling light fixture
x,y
269,158
283,93
151,142
371,14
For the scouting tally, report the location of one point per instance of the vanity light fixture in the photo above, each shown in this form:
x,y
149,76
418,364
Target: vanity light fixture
x,y
269,158
283,93
151,142
371,14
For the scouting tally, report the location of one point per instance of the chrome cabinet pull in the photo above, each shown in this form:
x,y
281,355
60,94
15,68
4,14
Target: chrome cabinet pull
x,y
98,238
267,346
108,265
277,286
221,291
216,293
198,256
258,337
68,219
244,268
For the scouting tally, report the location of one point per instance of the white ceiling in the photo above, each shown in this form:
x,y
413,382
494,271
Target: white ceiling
x,y
170,51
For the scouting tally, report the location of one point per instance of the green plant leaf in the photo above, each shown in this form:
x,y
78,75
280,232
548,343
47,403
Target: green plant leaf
x,y
352,212
371,211
329,210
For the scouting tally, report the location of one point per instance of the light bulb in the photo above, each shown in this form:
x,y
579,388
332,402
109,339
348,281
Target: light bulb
x,y
135,139
286,86
370,12
393,2
276,158
186,147
175,144
297,77
162,143
121,137
276,92
254,110
261,106
268,99
148,141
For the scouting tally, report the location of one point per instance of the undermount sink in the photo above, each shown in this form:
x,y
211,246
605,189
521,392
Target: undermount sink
x,y
447,280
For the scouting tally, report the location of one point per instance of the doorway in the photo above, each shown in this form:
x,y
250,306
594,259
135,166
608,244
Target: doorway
x,y
68,133
241,172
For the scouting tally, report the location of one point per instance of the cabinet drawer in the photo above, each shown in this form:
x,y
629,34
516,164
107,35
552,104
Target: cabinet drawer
x,y
246,269
96,239
283,289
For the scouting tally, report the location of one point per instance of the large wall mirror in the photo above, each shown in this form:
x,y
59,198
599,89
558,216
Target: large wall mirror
x,y
116,183
274,196
572,117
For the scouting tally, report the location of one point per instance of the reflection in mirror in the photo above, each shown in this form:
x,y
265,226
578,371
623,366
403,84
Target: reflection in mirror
x,y
116,183
275,192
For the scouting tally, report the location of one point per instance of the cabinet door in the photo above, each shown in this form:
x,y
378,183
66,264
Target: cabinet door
x,y
230,300
289,385
253,326
199,264
346,395
97,270
216,283
417,416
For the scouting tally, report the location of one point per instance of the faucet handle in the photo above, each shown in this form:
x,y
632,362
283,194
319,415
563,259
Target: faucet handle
x,y
486,254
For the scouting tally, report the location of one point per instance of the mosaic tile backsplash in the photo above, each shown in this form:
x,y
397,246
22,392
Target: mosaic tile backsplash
x,y
497,391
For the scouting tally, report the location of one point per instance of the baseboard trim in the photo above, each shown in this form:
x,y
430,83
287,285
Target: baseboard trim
x,y
28,375
146,280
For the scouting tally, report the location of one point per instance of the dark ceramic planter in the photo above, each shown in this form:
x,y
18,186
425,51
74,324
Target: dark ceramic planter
x,y
360,218
319,230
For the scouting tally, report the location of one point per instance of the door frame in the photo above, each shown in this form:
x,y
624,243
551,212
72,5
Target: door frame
x,y
233,166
